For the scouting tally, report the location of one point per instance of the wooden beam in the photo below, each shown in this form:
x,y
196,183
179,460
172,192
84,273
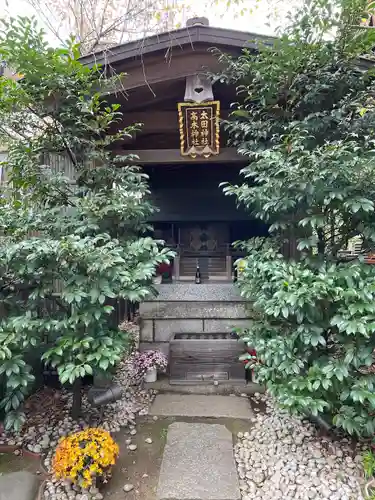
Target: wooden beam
x,y
157,121
153,121
157,69
168,156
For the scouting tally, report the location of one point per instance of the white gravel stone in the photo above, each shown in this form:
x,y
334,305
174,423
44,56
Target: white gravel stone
x,y
128,487
283,457
132,447
148,440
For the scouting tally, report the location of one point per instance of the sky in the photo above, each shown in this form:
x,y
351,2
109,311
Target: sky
x,y
256,21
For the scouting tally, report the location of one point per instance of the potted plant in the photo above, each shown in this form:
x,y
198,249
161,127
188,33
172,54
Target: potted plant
x,y
148,363
85,457
163,273
369,470
157,279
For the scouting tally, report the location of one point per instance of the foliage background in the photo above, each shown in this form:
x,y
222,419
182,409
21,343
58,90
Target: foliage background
x,y
305,119
70,247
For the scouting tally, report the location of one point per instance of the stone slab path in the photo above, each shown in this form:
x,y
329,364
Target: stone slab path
x,y
20,485
198,464
196,405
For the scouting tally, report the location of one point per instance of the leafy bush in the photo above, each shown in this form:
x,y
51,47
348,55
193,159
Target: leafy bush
x,y
71,246
305,120
314,337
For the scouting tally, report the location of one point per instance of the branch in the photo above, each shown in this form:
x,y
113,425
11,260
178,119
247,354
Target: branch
x,y
99,31
46,17
54,297
68,149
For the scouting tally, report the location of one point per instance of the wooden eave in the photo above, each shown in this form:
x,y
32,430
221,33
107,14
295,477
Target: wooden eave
x,y
185,37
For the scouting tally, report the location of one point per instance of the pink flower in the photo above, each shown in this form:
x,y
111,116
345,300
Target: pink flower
x,y
147,360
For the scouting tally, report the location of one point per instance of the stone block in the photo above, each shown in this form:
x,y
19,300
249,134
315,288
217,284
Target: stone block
x,y
20,485
166,328
202,406
213,292
146,330
175,310
198,464
224,325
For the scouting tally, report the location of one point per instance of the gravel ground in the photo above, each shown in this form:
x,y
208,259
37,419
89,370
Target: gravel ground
x,y
279,457
283,457
43,437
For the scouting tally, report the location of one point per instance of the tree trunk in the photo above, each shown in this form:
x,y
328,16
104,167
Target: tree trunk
x,y
321,242
77,399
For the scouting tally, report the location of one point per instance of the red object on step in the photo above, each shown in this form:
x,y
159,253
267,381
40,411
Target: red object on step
x,y
252,352
164,268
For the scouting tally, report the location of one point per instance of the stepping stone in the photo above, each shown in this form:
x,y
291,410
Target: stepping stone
x,y
20,485
198,405
198,464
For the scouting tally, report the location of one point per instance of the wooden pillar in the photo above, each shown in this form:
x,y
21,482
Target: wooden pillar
x,y
176,266
229,266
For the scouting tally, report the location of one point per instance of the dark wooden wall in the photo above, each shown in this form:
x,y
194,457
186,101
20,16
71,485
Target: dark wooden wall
x,y
192,193
195,204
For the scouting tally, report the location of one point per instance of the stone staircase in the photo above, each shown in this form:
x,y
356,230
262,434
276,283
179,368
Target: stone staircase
x,y
210,267
190,308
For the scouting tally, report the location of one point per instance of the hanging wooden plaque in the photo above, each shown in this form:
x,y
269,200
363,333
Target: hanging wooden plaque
x,y
199,128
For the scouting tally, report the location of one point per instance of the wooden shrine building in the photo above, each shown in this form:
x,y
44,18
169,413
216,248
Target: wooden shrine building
x,y
181,144
184,151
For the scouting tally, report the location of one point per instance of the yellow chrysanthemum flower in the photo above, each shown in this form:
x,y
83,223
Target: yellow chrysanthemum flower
x,y
84,455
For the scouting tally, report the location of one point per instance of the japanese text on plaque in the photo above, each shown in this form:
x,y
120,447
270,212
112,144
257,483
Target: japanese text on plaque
x,y
199,129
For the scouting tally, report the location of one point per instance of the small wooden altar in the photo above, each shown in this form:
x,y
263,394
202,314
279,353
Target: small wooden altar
x,y
208,245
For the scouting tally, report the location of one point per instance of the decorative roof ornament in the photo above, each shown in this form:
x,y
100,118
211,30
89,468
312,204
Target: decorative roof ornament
x,y
197,21
198,88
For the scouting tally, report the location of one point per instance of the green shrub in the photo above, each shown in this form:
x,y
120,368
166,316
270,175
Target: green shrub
x,y
305,120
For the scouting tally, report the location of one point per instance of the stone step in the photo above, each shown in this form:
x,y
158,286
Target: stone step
x,y
205,292
198,464
213,265
224,388
192,310
164,330
204,275
195,405
184,271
